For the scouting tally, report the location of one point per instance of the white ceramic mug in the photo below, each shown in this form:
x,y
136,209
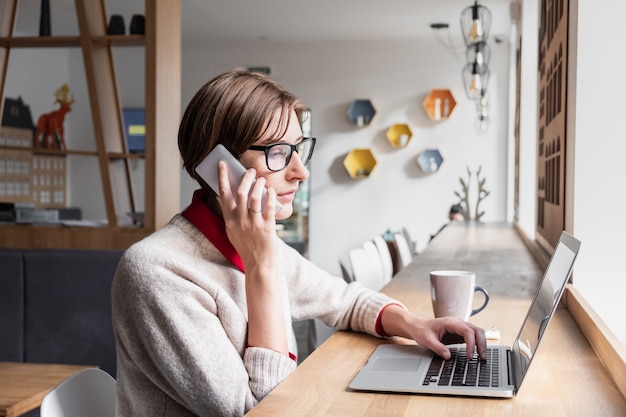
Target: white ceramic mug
x,y
452,293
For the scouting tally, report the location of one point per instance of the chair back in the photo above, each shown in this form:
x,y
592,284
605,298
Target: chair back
x,y
385,257
345,271
404,251
90,392
365,268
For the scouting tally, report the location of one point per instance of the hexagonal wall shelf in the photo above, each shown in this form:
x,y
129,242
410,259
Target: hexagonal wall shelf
x,y
399,135
430,161
361,112
359,163
439,104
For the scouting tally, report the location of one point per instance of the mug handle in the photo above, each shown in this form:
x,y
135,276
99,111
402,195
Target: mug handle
x,y
482,307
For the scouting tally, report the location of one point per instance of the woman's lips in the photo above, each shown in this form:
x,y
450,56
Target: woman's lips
x,y
287,197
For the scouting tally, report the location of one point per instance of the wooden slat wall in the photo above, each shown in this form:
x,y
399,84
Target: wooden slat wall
x,y
551,144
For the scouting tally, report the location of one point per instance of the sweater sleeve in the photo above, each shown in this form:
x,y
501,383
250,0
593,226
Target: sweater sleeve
x,y
317,294
183,342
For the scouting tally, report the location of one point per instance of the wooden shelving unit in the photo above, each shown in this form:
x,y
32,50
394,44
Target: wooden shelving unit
x,y
162,44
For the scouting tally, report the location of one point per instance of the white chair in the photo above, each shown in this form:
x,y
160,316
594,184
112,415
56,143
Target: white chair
x,y
90,392
385,257
345,271
366,269
404,251
408,238
372,251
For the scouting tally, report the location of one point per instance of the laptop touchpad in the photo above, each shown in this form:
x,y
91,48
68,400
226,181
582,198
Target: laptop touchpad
x,y
396,364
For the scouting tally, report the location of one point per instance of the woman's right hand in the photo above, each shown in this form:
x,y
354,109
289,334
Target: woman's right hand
x,y
252,231
250,228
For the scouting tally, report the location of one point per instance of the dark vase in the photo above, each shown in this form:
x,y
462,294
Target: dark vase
x,y
137,25
44,18
116,25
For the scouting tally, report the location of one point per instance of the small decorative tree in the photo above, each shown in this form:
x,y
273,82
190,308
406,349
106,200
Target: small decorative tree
x,y
463,195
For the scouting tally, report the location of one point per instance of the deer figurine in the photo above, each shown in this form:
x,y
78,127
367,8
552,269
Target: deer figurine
x,y
50,133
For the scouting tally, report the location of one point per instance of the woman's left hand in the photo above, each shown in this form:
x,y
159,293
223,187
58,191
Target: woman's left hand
x,y
397,321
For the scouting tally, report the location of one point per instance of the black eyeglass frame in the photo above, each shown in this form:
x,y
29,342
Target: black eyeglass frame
x,y
294,148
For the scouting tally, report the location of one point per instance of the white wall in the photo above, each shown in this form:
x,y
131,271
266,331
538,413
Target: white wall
x,y
396,76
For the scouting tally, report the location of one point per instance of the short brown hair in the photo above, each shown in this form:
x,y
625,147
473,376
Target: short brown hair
x,y
236,110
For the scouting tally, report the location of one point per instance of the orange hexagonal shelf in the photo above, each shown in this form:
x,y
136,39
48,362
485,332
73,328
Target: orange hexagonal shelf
x,y
399,135
439,104
359,163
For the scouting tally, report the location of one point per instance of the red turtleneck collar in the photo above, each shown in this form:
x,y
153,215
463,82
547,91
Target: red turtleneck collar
x,y
212,226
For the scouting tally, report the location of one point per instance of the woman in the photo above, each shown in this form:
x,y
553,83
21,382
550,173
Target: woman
x,y
202,308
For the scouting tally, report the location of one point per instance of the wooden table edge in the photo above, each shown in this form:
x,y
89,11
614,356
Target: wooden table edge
x,y
33,402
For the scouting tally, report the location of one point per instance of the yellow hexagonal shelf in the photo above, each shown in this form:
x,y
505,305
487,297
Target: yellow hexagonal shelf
x,y
399,135
439,104
359,163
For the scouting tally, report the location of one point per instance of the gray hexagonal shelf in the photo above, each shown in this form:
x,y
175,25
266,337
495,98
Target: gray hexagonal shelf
x,y
361,112
430,161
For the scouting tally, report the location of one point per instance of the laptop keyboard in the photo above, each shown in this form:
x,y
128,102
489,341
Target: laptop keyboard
x,y
461,371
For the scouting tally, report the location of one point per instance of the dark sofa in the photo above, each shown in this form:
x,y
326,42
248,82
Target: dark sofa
x,y
55,306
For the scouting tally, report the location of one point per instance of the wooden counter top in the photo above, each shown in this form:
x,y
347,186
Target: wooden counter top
x,y
565,379
23,385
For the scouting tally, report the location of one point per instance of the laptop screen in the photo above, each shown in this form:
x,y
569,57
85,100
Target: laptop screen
x,y
544,304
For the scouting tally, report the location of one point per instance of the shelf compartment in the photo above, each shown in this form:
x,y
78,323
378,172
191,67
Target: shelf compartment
x,y
430,161
361,112
439,104
399,135
359,163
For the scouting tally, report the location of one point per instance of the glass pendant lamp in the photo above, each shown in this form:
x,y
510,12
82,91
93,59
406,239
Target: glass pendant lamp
x,y
479,53
475,23
475,79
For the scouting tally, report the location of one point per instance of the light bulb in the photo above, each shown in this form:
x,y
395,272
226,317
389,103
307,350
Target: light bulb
x,y
475,84
480,60
482,124
476,30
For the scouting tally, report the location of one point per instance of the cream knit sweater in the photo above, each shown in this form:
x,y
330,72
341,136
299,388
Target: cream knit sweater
x,y
180,321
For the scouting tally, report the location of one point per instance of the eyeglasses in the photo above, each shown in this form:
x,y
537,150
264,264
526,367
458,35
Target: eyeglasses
x,y
278,155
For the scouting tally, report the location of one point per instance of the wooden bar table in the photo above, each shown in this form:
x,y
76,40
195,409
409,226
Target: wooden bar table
x,y
23,385
566,378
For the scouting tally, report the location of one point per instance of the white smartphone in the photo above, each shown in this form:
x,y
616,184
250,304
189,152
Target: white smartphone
x,y
207,169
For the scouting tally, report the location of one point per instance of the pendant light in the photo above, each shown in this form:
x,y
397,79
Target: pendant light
x,y
482,122
475,79
479,53
475,23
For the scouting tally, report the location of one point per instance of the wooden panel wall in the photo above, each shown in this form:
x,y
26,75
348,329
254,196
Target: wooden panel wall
x,y
552,113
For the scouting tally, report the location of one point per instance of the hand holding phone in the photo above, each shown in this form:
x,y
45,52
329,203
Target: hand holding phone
x,y
207,169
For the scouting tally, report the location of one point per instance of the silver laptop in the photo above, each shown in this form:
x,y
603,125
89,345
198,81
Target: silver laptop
x,y
415,369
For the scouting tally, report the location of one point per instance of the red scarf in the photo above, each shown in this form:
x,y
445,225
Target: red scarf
x,y
212,226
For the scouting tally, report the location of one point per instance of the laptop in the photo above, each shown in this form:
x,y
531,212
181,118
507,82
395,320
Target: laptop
x,y
416,369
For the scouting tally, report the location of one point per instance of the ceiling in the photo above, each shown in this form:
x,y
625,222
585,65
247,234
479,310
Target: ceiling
x,y
325,20
236,21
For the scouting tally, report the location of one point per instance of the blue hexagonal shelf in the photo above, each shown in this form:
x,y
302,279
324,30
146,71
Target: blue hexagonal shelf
x,y
361,112
430,161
